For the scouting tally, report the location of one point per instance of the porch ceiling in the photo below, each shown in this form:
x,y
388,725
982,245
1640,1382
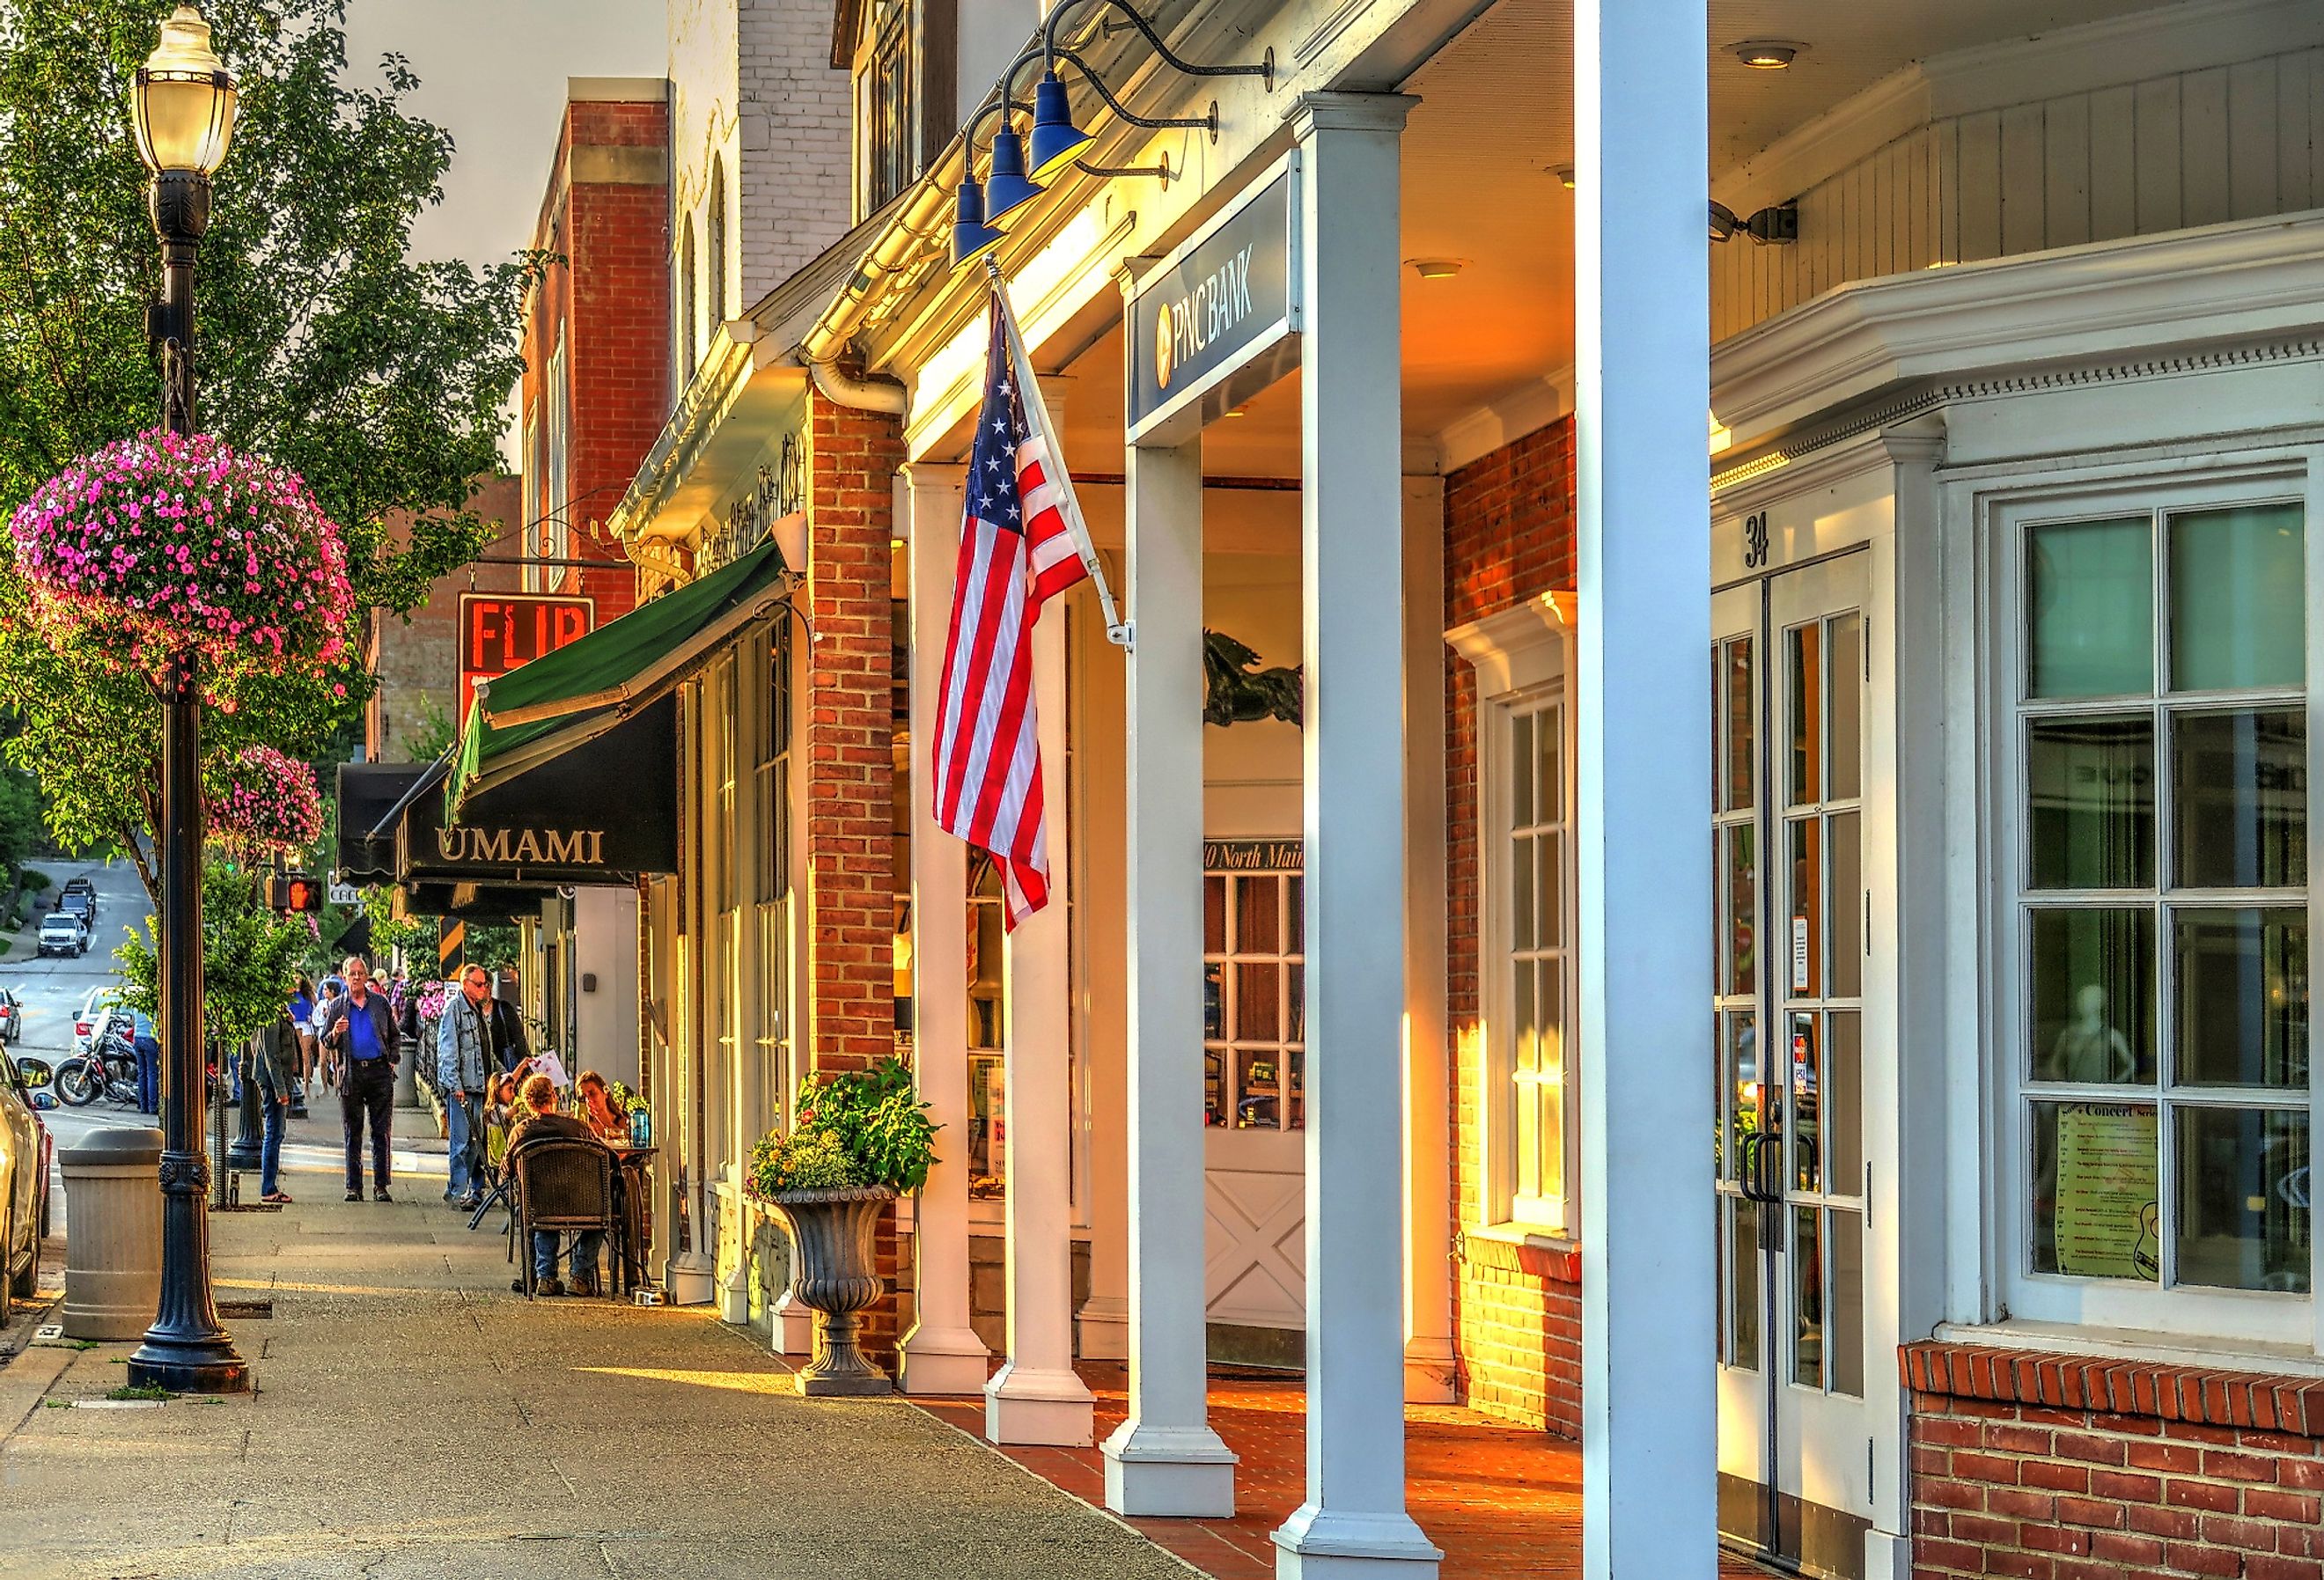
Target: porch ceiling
x,y
1495,121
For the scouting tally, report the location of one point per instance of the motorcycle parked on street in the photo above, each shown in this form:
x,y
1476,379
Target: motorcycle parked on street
x,y
108,1069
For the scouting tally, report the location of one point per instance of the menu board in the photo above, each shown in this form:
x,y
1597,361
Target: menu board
x,y
2107,1195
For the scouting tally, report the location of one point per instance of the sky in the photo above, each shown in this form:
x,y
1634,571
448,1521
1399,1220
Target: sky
x,y
492,72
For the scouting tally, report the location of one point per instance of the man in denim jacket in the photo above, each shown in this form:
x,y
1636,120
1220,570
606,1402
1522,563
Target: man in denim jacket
x,y
463,1042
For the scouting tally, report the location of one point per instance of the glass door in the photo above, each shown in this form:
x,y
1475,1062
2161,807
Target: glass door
x,y
1789,673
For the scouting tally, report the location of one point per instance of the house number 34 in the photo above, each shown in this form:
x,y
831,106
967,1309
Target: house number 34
x,y
1755,540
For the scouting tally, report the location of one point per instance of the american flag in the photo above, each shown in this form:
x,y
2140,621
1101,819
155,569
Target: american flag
x,y
1018,549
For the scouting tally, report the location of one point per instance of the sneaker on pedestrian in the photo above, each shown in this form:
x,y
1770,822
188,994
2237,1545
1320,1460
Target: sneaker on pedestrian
x,y
280,1199
550,1287
381,1194
355,1196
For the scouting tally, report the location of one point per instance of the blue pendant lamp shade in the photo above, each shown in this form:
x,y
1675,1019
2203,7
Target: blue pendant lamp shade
x,y
1055,139
1006,186
971,238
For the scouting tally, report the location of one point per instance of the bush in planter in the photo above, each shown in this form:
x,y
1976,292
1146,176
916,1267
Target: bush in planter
x,y
860,1138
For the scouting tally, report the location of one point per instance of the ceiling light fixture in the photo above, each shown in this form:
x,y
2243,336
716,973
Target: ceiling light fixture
x,y
1766,55
1437,268
1564,174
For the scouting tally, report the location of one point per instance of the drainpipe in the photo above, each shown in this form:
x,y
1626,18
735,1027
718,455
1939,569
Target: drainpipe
x,y
859,395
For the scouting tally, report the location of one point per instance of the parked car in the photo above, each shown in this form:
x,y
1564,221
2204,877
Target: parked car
x,y
25,1149
84,888
12,1016
63,933
94,1005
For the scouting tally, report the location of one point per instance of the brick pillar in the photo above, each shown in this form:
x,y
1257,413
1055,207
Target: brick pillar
x,y
852,458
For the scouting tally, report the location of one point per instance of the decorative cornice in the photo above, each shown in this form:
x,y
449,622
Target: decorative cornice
x,y
1509,417
1521,646
2110,302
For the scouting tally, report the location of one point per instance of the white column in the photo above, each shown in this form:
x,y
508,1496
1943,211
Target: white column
x,y
1428,1357
941,1355
1351,542
1101,957
1037,1396
1165,1458
1643,709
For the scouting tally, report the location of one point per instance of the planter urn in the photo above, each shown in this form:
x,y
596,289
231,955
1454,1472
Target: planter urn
x,y
836,1274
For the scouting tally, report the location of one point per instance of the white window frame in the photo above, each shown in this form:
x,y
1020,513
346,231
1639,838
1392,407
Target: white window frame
x,y
2003,518
1522,657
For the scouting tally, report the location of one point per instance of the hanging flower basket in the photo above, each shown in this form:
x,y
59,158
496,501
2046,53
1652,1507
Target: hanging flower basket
x,y
163,544
263,804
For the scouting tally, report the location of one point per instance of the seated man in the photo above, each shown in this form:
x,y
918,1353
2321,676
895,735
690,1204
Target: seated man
x,y
541,1122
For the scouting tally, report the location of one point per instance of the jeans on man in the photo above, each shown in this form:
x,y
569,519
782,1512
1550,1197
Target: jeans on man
x,y
148,1075
464,1126
368,1090
581,1265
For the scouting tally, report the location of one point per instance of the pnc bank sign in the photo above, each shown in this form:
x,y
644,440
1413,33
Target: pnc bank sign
x,y
1214,322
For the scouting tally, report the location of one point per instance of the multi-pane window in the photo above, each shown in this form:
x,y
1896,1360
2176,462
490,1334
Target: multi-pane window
x,y
1535,861
771,656
884,104
1735,814
715,223
987,1020
689,326
2162,896
1254,1000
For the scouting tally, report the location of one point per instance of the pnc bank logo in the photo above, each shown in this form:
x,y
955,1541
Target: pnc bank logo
x,y
1217,305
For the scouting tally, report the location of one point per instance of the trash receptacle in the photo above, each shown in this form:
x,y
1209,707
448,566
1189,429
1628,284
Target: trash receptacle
x,y
112,1232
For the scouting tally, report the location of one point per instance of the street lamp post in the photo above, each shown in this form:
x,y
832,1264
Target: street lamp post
x,y
182,113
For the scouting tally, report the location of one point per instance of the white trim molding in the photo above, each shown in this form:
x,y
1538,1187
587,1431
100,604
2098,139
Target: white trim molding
x,y
2248,281
1528,409
1520,647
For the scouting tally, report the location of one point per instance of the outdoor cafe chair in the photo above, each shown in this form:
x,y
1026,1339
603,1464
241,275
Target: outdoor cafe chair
x,y
566,1186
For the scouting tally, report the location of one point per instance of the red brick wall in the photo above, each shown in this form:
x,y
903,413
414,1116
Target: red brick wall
x,y
2057,1467
1509,536
851,458
607,301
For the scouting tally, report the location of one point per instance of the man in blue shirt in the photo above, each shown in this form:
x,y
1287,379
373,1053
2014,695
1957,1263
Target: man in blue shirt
x,y
361,1029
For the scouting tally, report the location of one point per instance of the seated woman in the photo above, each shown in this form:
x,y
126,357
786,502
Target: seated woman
x,y
607,1122
541,1122
499,1116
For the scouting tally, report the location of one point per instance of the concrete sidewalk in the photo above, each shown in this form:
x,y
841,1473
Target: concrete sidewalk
x,y
415,1419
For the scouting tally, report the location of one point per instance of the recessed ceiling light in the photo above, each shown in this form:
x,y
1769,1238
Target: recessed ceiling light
x,y
1238,412
1437,268
1564,174
1766,55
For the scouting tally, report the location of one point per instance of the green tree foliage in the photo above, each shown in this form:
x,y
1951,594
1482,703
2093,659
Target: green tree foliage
x,y
248,954
319,343
493,945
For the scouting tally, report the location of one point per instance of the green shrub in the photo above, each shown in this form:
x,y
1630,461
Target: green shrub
x,y
863,1128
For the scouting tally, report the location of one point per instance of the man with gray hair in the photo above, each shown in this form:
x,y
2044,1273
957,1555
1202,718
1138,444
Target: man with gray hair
x,y
361,1029
464,1068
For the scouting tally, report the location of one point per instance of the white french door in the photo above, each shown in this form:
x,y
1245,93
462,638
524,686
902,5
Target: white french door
x,y
1788,660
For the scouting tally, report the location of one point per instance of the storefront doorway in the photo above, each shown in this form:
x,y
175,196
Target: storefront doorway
x,y
1789,669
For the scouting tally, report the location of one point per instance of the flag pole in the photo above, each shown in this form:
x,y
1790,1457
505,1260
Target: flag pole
x,y
1118,631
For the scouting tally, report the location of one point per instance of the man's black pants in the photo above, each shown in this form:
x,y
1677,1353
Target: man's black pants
x,y
368,1087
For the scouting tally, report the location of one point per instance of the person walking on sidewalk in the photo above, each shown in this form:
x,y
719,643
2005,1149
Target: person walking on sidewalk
x,y
463,1067
359,1029
274,1065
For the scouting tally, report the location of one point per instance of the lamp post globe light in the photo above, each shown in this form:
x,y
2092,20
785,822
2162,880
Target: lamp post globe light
x,y
181,113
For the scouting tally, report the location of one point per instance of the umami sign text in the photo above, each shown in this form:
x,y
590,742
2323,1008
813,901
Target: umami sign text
x,y
541,847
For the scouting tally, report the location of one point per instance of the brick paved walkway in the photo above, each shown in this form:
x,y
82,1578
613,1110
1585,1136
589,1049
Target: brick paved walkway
x,y
1499,1500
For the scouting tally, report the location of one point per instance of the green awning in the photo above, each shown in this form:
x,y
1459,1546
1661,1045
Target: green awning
x,y
563,699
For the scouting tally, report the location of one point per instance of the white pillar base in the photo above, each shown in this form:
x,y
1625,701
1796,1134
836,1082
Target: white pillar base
x,y
693,1280
1152,1470
1051,1407
1319,1544
734,1298
942,1361
1104,1325
792,1329
1431,1373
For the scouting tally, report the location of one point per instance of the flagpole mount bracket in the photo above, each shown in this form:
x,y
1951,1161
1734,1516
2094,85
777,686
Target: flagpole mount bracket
x,y
1123,634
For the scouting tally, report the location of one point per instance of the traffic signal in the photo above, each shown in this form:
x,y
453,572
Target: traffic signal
x,y
294,891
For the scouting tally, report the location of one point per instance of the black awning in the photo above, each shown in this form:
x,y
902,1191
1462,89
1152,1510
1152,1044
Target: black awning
x,y
368,792
482,903
603,811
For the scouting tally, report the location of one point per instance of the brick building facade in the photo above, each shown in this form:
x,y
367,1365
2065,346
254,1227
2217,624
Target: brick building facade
x,y
596,334
416,657
1508,537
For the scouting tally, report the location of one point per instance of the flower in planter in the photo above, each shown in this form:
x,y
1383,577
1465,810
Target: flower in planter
x,y
862,1128
263,804
433,995
166,543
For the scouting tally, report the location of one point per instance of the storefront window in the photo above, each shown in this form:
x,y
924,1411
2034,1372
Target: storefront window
x,y
2164,898
1537,960
1254,987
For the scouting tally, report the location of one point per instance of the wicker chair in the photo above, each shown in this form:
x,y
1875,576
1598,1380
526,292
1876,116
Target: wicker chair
x,y
562,1185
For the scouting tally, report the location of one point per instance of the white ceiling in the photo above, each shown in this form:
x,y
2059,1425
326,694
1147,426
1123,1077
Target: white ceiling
x,y
1495,116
